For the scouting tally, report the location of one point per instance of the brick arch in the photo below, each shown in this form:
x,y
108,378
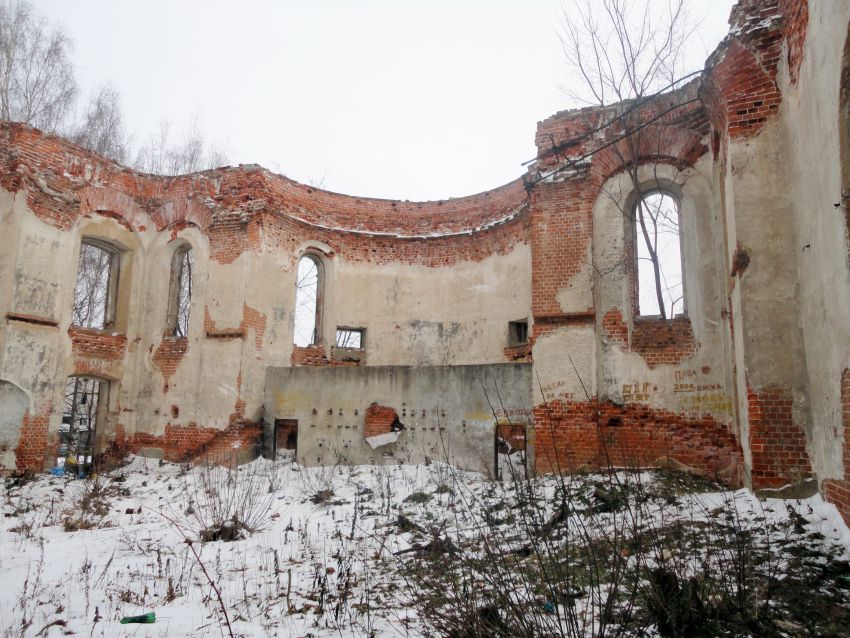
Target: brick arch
x,y
112,203
679,147
182,211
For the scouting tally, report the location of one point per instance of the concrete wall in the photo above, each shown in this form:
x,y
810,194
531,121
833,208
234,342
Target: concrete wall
x,y
449,413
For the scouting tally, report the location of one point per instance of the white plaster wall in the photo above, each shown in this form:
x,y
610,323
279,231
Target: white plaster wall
x,y
810,121
418,315
702,384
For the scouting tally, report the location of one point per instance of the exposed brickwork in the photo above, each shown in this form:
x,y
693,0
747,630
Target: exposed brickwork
x,y
31,452
740,90
679,123
561,231
97,344
575,435
518,354
168,355
777,443
181,443
280,232
658,341
837,492
672,145
314,355
795,16
309,356
251,319
249,208
379,419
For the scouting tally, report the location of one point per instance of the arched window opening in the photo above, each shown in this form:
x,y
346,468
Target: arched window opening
x,y
181,292
658,242
83,410
308,301
96,288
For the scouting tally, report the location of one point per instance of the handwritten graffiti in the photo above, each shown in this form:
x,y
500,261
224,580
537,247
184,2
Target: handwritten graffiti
x,y
638,391
708,402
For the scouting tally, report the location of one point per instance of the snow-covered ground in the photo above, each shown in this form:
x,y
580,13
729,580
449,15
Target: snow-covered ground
x,y
331,555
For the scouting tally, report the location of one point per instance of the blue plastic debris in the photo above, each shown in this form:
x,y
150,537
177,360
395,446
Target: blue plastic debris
x,y
58,471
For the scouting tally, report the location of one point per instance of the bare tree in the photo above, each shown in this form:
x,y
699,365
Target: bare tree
x,y
622,52
37,84
101,128
162,155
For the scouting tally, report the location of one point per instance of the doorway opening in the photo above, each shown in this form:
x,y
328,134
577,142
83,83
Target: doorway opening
x,y
285,438
83,410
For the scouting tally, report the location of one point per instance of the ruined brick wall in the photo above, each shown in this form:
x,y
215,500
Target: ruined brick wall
x,y
551,249
379,419
586,434
166,388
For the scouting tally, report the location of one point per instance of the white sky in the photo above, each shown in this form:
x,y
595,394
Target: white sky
x,y
384,98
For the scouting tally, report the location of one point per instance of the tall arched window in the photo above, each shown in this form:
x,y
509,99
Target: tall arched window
x,y
180,299
308,301
658,249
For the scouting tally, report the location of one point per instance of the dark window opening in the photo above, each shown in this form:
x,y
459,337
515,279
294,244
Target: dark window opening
x,y
350,338
97,282
83,410
517,333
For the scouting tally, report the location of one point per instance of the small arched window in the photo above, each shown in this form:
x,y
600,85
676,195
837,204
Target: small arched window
x,y
658,250
308,301
180,292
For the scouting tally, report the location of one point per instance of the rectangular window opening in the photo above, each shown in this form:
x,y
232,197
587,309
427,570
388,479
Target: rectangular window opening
x,y
96,287
518,332
660,285
350,338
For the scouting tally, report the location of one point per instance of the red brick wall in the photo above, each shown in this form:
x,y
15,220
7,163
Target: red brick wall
x,y
253,206
378,420
740,90
97,344
570,436
168,355
657,341
33,445
795,16
777,443
518,354
182,443
561,231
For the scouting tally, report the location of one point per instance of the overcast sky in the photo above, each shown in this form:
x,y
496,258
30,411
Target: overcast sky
x,y
404,99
